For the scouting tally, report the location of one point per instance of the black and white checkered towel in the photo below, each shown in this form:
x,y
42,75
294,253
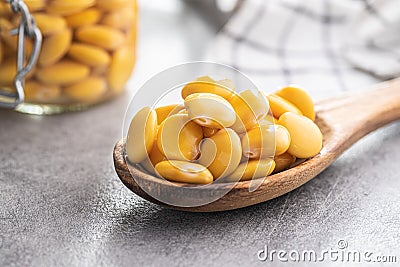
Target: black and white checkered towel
x,y
327,46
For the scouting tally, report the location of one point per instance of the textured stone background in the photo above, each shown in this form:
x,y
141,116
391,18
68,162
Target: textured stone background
x,y
61,203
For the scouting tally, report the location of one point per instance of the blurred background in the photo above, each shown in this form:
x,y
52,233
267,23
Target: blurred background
x,y
338,45
176,31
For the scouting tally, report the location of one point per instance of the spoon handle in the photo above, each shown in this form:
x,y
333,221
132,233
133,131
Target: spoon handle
x,y
352,116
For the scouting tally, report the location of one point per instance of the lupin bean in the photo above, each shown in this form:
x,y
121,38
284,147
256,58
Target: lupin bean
x,y
88,90
34,5
67,7
207,85
300,98
279,106
165,111
184,172
249,108
265,141
141,135
252,169
62,73
35,91
101,36
50,24
306,137
210,110
89,55
122,63
87,17
55,47
221,153
179,138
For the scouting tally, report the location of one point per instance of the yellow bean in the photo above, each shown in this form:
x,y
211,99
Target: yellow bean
x,y
207,85
68,7
86,17
210,110
208,132
102,36
259,142
250,108
10,43
131,37
282,139
178,138
5,9
251,170
55,47
38,92
221,153
141,135
279,106
87,90
283,162
89,55
155,156
35,5
122,19
49,24
114,4
62,73
8,39
165,111
306,137
300,98
184,172
8,70
122,63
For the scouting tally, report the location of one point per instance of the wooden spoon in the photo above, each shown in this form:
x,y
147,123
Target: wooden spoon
x,y
343,121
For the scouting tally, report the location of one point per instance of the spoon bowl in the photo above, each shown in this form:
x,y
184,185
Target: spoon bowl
x,y
343,121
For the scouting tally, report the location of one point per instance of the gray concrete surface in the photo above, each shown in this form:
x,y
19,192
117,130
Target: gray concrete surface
x,y
61,203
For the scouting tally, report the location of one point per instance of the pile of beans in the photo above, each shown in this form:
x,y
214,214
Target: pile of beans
x,y
219,133
88,49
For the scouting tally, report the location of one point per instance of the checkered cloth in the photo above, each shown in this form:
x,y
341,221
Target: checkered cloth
x,y
327,46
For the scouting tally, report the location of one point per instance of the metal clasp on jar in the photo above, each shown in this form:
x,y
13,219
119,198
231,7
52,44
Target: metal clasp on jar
x,y
27,28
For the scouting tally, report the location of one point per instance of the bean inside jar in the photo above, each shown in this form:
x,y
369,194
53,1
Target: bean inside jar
x,y
87,53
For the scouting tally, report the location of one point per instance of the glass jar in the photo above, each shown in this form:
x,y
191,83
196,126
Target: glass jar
x,y
87,52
